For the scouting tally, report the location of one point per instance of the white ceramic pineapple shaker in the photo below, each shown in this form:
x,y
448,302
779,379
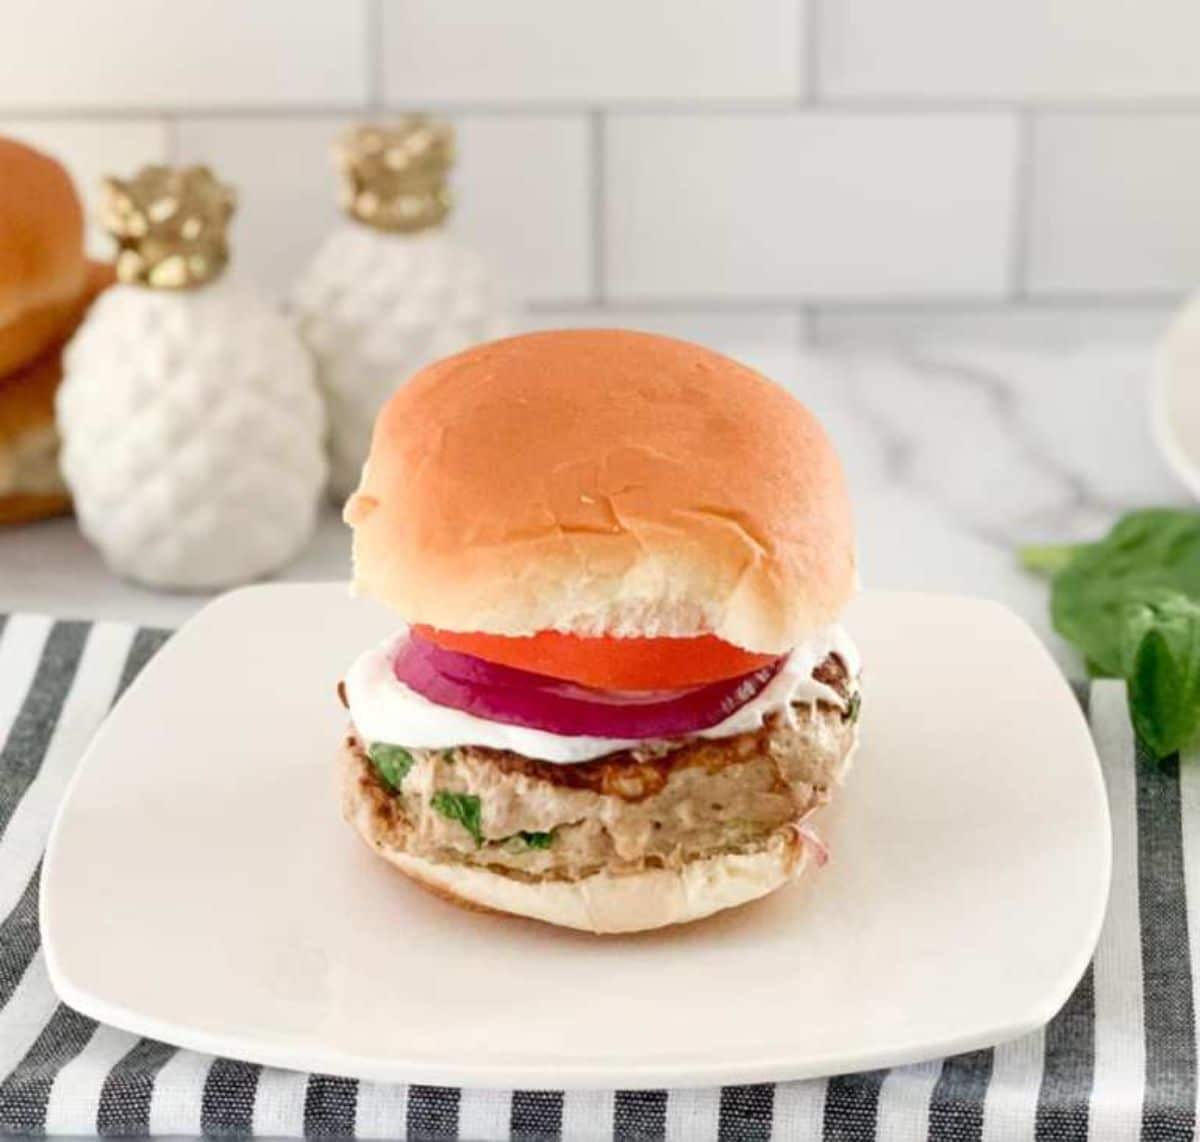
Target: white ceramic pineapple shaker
x,y
192,428
390,290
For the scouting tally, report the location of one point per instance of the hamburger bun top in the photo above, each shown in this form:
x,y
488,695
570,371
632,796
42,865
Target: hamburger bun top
x,y
42,266
603,482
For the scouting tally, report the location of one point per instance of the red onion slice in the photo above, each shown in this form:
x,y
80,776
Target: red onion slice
x,y
538,702
820,850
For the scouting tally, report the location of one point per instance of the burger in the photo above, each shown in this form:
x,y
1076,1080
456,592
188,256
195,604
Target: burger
x,y
46,285
620,692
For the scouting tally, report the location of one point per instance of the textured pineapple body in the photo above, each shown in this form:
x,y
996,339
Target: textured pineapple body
x,y
376,307
192,435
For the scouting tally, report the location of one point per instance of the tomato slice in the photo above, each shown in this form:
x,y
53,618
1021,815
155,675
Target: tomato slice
x,y
608,663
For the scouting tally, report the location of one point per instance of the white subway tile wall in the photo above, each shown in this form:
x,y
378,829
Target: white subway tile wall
x,y
836,168
1117,206
1041,325
545,51
1100,50
524,189
76,54
808,205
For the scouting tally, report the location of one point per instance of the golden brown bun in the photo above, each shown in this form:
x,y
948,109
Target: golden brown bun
x,y
603,482
42,265
27,509
30,484
604,902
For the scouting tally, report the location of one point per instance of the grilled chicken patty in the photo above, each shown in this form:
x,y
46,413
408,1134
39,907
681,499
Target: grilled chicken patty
x,y
661,805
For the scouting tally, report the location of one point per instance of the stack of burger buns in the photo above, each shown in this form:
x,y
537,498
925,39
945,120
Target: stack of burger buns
x,y
46,285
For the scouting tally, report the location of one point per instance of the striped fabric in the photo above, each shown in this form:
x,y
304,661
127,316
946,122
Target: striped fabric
x,y
1119,1061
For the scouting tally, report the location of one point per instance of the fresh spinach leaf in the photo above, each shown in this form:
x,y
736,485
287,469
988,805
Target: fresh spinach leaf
x,y
391,762
854,707
537,840
1162,667
1146,552
465,808
1049,559
1130,604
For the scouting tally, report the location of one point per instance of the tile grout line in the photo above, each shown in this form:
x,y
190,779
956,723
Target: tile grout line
x,y
1020,217
597,127
840,105
883,306
121,114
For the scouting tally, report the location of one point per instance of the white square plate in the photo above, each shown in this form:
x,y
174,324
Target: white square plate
x,y
200,887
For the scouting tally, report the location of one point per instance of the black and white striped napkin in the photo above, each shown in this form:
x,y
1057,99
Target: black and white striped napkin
x,y
1119,1061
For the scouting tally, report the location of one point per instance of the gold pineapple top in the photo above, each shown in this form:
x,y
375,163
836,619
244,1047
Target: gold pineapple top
x,y
395,175
170,224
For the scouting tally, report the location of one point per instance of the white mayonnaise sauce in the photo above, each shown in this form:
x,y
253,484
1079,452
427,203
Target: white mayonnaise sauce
x,y
383,709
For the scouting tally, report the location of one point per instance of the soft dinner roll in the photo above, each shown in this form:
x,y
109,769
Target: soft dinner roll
x,y
43,270
603,481
30,484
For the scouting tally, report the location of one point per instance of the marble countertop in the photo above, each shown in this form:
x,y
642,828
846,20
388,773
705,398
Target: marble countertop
x,y
956,454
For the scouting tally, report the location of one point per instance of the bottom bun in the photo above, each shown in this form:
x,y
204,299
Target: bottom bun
x,y
31,486
604,902
26,509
